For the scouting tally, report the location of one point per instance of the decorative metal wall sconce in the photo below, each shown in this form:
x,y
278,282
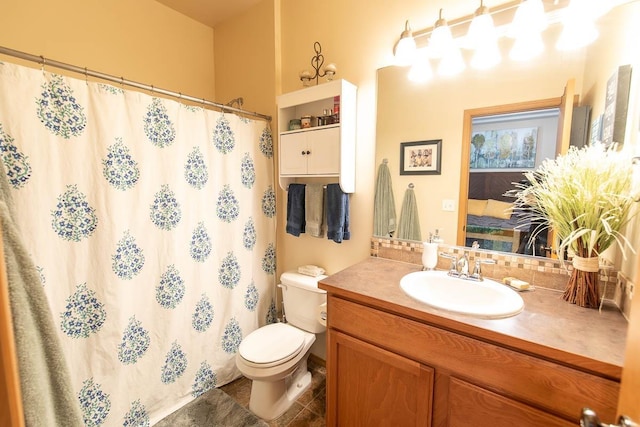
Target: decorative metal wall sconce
x,y
329,71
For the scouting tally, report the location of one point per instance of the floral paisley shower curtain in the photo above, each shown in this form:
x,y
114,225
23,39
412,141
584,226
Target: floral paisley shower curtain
x,y
152,225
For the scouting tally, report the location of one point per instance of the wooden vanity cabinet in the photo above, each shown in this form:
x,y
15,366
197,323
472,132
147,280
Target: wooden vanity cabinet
x,y
389,370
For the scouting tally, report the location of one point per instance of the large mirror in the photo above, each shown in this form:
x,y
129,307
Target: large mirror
x,y
445,108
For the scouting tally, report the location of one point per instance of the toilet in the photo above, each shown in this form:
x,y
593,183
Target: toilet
x,y
275,356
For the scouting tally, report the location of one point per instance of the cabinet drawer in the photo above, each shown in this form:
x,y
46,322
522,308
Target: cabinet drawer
x,y
543,384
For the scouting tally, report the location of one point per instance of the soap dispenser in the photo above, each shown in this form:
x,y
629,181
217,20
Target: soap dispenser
x,y
430,253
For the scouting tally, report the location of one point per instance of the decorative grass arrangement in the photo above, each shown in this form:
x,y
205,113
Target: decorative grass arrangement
x,y
585,197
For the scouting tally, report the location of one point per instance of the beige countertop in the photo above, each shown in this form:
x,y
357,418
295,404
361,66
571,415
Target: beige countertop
x,y
548,327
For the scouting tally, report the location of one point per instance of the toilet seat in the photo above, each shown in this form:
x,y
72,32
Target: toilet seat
x,y
271,345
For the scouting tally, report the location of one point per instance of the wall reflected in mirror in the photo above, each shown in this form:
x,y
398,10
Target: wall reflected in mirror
x,y
435,110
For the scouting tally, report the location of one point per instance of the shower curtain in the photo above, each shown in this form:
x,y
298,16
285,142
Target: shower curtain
x,y
152,226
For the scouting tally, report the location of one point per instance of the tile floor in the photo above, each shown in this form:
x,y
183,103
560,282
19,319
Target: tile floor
x,y
307,411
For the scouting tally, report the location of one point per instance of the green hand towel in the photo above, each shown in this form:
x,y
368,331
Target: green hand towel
x,y
384,205
409,224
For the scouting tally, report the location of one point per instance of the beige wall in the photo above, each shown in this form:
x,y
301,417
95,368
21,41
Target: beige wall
x,y
140,40
245,58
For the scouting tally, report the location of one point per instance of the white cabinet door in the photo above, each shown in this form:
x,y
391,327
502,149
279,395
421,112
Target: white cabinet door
x,y
313,152
293,157
324,148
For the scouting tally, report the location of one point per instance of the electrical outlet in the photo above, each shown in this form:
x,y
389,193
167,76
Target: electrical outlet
x,y
448,205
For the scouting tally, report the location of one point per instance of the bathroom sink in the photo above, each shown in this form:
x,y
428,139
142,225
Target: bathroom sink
x,y
486,298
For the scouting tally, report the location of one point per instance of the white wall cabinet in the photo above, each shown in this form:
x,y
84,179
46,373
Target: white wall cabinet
x,y
320,151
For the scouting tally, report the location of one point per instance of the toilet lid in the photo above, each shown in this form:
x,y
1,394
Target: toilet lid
x,y
277,342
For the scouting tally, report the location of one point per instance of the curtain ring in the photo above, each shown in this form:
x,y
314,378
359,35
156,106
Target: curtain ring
x,y
86,76
43,62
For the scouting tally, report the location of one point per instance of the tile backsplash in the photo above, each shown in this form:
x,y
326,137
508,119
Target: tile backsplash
x,y
541,272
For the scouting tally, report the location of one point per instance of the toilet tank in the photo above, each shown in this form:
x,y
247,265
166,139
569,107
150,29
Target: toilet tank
x,y
302,299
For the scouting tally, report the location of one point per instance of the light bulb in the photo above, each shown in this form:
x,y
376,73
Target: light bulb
x,y
441,40
481,29
526,47
405,49
576,35
486,56
529,19
420,71
451,64
579,27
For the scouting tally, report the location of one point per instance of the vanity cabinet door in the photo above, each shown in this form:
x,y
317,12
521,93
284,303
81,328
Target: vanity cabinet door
x,y
369,386
472,405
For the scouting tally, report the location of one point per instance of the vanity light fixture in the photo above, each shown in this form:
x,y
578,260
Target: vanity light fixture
x,y
442,46
483,39
523,21
420,71
441,40
481,29
527,27
329,71
486,56
451,64
405,50
579,27
530,18
526,46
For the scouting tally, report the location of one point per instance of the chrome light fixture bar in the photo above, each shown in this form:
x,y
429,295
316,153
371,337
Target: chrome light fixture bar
x,y
513,19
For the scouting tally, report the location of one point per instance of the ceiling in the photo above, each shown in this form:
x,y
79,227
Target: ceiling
x,y
209,12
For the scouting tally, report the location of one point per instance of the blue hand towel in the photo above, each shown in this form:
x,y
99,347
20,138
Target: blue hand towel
x,y
337,214
295,209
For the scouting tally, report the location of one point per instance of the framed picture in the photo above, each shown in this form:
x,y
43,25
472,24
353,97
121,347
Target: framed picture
x,y
421,157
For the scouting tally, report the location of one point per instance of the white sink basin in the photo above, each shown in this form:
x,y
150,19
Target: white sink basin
x,y
487,298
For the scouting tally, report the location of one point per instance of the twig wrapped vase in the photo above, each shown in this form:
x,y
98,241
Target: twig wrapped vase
x,y
585,197
583,287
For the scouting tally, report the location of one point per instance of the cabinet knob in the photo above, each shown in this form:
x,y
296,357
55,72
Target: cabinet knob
x,y
305,152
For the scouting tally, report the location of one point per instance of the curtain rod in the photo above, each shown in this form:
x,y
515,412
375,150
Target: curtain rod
x,y
122,81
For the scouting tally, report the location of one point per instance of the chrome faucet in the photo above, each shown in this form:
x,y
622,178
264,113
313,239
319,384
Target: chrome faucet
x,y
460,266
